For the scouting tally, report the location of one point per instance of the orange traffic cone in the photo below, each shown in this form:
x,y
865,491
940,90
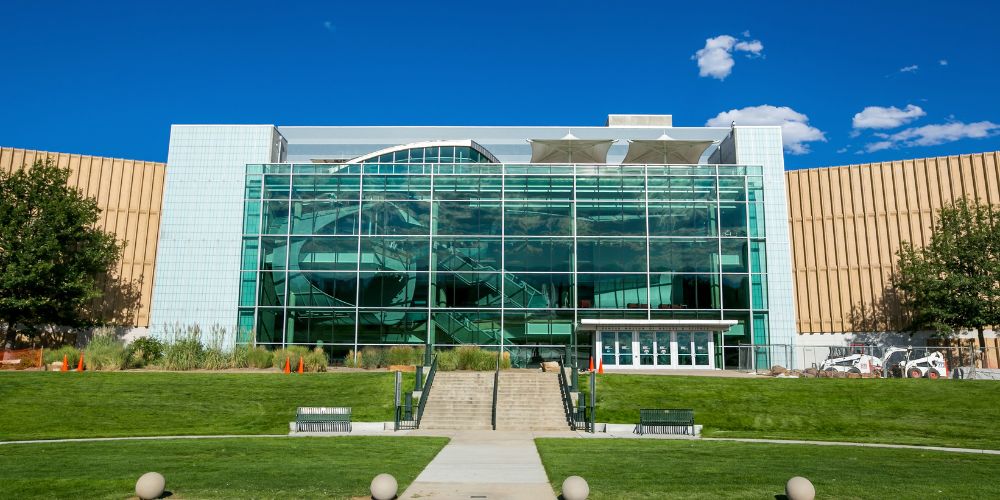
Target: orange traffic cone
x,y
600,367
65,366
288,366
300,370
591,364
79,365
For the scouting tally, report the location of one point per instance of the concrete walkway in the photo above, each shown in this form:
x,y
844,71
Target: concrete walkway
x,y
484,465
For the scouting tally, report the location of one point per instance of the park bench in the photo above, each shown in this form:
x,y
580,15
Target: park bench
x,y
666,421
323,419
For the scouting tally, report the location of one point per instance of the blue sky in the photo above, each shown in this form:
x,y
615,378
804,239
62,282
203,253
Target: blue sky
x,y
108,78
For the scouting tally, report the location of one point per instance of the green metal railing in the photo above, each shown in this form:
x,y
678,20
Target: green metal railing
x,y
579,417
496,386
405,417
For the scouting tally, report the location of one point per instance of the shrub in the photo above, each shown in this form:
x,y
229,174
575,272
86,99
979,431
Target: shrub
x,y
145,351
470,358
258,357
184,354
240,356
405,355
105,352
315,360
350,360
215,358
373,357
71,353
447,360
292,353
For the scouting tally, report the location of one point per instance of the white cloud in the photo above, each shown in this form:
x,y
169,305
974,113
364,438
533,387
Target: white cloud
x,y
795,129
842,150
329,26
909,69
878,117
930,135
878,146
716,58
943,62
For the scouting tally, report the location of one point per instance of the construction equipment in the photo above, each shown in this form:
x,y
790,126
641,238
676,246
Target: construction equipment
x,y
932,366
865,364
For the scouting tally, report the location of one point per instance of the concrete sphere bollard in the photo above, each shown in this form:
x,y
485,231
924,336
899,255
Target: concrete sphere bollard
x,y
800,488
575,488
150,485
384,487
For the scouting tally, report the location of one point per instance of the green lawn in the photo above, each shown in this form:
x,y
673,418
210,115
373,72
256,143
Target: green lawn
x,y
630,468
42,405
339,467
907,411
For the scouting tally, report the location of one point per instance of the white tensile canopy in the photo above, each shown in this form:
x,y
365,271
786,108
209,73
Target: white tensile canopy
x,y
570,149
665,150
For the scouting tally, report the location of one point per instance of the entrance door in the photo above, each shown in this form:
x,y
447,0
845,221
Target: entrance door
x,y
663,349
608,349
647,349
625,348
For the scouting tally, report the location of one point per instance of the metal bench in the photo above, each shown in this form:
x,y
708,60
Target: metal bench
x,y
333,419
666,421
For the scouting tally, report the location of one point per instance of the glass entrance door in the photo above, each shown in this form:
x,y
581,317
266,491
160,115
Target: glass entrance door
x,y
625,348
663,342
652,349
647,350
608,349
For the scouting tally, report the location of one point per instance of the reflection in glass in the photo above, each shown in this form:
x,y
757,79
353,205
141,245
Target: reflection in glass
x,y
683,255
538,255
467,327
611,219
538,291
395,218
612,291
468,217
611,255
395,254
393,289
682,219
684,291
538,219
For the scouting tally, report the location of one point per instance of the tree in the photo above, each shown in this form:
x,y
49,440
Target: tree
x,y
51,254
953,283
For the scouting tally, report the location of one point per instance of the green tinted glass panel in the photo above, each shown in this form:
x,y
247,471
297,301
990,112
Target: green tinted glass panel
x,y
734,255
325,187
538,255
400,289
468,218
611,219
395,218
732,189
755,188
251,218
682,188
758,256
251,252
244,326
273,252
539,219
611,187
538,187
683,255
253,187
248,288
324,254
757,220
684,291
321,289
270,325
466,327
539,327
271,289
736,291
394,254
392,327
682,219
277,186
476,290
758,289
275,217
733,219
538,291
397,187
467,254
311,326
325,217
467,187
611,255
612,291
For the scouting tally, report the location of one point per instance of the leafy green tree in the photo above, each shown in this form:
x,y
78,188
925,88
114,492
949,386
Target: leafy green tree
x,y
51,254
953,283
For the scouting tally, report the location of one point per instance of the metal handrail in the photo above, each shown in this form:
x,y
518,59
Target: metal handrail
x,y
574,415
427,389
496,385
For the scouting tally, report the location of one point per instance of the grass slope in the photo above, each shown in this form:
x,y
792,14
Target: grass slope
x,y
928,412
42,405
655,469
214,468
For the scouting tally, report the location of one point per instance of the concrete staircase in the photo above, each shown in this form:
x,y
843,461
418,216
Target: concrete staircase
x,y
529,400
460,401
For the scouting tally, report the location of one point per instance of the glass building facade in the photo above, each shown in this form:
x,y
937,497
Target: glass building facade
x,y
445,246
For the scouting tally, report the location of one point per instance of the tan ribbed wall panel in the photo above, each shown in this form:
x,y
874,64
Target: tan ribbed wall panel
x,y
847,223
130,195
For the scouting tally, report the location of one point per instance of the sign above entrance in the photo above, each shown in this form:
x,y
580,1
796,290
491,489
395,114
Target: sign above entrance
x,y
655,325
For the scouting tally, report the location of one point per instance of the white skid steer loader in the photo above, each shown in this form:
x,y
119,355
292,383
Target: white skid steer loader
x,y
865,364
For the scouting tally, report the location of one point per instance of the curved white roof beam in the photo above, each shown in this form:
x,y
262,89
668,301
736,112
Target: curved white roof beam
x,y
570,149
429,144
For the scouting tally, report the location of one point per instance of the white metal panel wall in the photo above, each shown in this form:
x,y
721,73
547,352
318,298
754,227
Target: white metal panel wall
x,y
198,263
762,146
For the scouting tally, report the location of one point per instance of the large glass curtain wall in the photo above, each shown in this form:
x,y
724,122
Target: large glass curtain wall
x,y
487,254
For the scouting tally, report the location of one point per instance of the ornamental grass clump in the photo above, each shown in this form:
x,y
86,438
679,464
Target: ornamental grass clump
x,y
71,353
105,352
258,357
291,353
183,350
315,360
405,355
373,357
145,351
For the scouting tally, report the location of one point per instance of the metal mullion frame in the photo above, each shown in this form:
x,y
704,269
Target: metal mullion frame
x,y
503,253
574,341
288,247
357,266
746,221
718,242
431,263
649,291
260,246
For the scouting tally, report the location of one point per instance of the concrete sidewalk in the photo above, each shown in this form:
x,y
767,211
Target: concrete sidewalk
x,y
484,464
